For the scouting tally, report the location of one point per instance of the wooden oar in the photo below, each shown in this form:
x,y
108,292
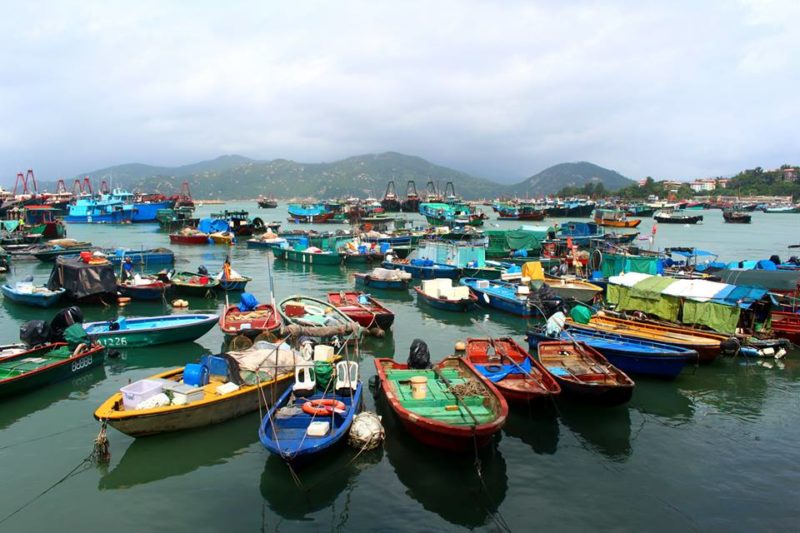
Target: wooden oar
x,y
458,400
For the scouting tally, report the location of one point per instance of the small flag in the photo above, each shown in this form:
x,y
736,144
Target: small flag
x,y
655,228
569,242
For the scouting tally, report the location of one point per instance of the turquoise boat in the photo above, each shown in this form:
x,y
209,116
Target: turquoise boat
x,y
148,331
308,258
37,296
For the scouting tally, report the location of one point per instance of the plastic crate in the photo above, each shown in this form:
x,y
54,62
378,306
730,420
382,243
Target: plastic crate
x,y
139,391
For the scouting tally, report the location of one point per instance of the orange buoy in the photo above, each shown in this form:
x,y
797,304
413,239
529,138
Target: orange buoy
x,y
323,407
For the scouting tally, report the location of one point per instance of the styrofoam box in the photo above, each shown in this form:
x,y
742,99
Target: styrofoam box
x,y
482,284
522,289
139,391
318,428
460,293
445,292
323,352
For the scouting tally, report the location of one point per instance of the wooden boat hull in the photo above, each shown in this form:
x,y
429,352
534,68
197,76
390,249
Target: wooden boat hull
x,y
517,389
183,284
141,423
269,321
579,290
51,373
33,299
693,219
608,388
188,239
368,315
707,345
450,437
321,218
455,306
366,280
152,291
174,328
631,223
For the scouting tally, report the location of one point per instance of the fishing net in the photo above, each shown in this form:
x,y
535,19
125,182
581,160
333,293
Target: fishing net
x,y
324,373
470,388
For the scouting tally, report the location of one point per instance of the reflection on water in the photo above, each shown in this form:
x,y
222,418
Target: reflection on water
x,y
161,356
18,407
607,431
538,428
734,386
173,454
444,483
321,484
662,399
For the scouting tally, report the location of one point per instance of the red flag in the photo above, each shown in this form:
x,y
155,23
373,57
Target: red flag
x,y
569,243
655,227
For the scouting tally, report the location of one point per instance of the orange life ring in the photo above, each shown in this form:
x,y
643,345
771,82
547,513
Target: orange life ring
x,y
323,407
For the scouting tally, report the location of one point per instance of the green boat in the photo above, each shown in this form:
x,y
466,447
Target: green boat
x,y
49,253
46,364
192,284
308,258
148,331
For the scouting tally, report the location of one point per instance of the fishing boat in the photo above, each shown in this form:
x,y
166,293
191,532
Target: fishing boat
x,y
671,216
188,236
298,428
362,308
383,278
192,284
267,202
48,252
633,356
304,315
46,364
458,410
707,344
87,280
233,284
502,295
615,218
308,257
234,385
782,209
223,237
134,332
267,240
440,294
572,288
584,374
32,295
422,268
736,217
309,214
786,325
249,321
155,257
144,288
519,377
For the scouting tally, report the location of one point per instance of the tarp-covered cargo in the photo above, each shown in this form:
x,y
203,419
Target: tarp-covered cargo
x,y
83,281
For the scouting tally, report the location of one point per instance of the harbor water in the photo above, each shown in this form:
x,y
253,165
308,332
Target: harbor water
x,y
714,450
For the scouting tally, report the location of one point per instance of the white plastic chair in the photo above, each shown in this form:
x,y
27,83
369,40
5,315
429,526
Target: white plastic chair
x,y
346,376
305,380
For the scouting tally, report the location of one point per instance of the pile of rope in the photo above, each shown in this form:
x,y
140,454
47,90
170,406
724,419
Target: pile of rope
x,y
470,388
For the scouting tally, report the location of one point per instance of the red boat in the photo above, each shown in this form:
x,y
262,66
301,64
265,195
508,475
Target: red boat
x,y
441,415
369,314
262,319
194,238
518,376
584,374
787,325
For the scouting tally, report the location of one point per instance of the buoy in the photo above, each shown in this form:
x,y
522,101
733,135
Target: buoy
x,y
366,431
122,300
461,346
180,303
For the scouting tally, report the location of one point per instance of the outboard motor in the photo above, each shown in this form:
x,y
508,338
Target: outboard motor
x,y
203,271
64,319
419,357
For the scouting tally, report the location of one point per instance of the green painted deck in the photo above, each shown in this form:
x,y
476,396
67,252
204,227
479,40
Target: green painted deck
x,y
439,397
17,367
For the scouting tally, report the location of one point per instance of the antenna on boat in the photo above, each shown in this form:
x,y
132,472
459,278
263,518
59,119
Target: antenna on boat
x,y
271,280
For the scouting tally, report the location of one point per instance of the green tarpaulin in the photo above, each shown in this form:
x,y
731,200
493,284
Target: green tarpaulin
x,y
722,318
614,265
626,299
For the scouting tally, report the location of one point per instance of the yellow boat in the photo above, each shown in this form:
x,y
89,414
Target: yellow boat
x,y
210,407
570,287
707,344
222,238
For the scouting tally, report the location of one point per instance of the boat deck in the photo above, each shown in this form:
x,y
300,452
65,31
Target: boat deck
x,y
292,426
440,404
17,367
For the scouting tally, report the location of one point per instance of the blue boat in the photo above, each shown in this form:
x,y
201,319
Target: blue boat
x,y
286,435
156,257
501,295
147,331
633,356
374,281
423,268
32,295
98,211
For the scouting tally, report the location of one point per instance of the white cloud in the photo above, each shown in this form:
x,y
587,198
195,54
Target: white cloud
x,y
502,89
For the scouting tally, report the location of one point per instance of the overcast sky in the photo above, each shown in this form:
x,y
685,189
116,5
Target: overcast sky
x,y
500,89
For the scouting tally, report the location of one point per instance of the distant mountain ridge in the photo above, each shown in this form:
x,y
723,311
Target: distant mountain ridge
x,y
236,177
555,178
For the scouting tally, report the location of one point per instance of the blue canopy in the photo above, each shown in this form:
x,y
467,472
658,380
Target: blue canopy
x,y
742,296
213,225
693,253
